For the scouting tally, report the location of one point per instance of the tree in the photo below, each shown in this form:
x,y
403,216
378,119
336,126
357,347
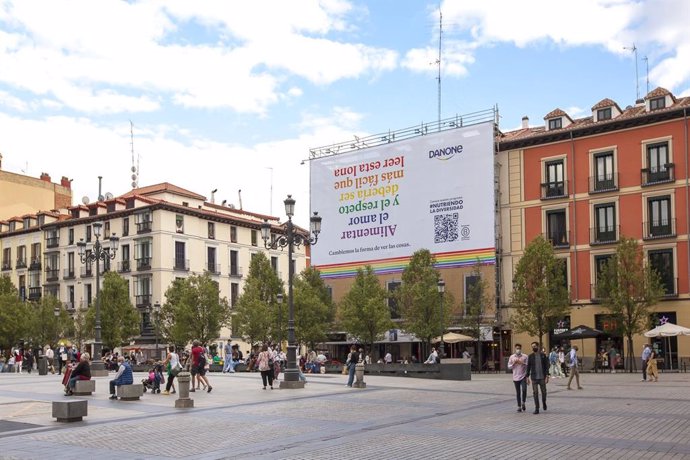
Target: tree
x,y
193,310
44,326
13,316
257,313
420,301
313,308
477,299
119,318
78,329
363,311
627,289
540,295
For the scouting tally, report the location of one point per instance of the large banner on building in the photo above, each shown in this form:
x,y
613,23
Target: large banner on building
x,y
381,204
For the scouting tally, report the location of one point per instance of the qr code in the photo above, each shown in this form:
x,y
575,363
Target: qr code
x,y
445,227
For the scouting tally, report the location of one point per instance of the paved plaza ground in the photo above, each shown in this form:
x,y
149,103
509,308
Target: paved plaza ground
x,y
614,416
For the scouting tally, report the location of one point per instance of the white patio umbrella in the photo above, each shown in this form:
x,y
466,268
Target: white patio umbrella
x,y
668,330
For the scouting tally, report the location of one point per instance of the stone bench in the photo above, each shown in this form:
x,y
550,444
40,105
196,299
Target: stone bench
x,y
70,411
129,392
84,387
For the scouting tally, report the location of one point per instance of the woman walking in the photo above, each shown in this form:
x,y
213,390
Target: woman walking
x,y
172,364
265,363
652,371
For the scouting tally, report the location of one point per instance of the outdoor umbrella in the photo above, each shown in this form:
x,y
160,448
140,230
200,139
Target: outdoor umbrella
x,y
668,330
452,337
581,332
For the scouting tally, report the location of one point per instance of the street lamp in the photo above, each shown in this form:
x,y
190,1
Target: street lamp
x,y
441,285
279,299
97,254
291,239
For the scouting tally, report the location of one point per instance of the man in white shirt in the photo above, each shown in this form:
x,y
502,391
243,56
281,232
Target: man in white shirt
x,y
572,365
50,355
388,359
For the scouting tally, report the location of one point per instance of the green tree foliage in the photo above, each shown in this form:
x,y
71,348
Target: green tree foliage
x,y
363,311
628,288
477,299
44,327
420,301
313,308
119,318
78,329
13,316
540,295
256,315
193,310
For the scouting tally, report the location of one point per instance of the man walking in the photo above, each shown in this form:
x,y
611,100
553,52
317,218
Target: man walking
x,y
50,356
352,360
227,364
572,365
518,363
538,372
646,353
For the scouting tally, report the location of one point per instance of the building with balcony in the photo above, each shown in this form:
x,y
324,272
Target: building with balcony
x,y
582,184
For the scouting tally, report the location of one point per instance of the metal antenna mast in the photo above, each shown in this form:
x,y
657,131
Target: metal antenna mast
x,y
135,169
646,60
637,74
438,62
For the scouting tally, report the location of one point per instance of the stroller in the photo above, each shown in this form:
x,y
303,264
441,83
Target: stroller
x,y
154,380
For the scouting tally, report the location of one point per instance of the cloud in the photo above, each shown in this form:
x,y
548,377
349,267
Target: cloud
x,y
12,102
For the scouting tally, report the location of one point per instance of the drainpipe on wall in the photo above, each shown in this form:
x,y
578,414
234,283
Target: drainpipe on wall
x,y
687,184
572,175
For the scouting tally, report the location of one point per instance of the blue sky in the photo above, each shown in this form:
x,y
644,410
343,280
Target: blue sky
x,y
220,92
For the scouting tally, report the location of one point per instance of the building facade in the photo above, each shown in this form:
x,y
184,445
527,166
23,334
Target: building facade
x,y
583,184
165,232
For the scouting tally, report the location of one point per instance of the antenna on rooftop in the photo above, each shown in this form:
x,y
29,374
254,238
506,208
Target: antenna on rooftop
x,y
135,168
438,61
646,61
637,75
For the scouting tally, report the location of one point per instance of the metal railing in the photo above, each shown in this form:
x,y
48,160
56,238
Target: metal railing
x,y
658,174
21,263
143,263
559,240
144,227
35,293
553,190
52,242
35,265
124,266
52,275
605,183
143,300
6,265
604,235
181,264
86,271
655,229
213,269
235,271
68,273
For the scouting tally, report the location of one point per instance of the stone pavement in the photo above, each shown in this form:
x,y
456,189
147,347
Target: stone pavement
x,y
614,416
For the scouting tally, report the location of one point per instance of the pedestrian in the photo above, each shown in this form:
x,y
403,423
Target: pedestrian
x,y
199,365
50,356
82,371
433,357
538,373
227,363
613,358
265,364
652,370
173,366
554,366
62,358
388,359
124,376
646,353
572,364
466,354
561,361
518,364
351,363
29,360
18,357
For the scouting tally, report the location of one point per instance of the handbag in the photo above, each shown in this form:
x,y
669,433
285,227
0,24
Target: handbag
x,y
175,370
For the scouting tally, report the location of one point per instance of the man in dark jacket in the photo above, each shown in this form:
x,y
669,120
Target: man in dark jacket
x,y
538,372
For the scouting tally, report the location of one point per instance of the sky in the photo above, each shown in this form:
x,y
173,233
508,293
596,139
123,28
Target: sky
x,y
231,95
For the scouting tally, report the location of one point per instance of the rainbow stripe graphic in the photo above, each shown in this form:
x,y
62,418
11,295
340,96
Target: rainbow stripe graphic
x,y
485,256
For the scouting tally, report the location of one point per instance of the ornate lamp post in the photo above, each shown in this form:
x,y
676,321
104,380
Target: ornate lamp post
x,y
291,239
97,254
441,285
279,299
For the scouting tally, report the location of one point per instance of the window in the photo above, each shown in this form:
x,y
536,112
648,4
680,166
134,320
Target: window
x,y
70,236
142,253
659,217
87,294
7,259
254,238
393,286
564,273
470,291
657,103
21,257
555,123
604,114
605,223
70,297
234,293
88,233
600,262
233,234
106,230
110,207
180,262
179,223
658,164
274,264
556,231
211,230
555,183
662,261
70,264
13,226
603,172
125,226
211,260
142,291
27,222
124,254
143,222
234,265
36,253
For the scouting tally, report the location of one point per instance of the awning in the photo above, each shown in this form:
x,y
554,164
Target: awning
x,y
452,337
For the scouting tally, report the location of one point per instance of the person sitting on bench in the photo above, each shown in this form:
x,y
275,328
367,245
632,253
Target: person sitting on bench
x,y
81,372
123,377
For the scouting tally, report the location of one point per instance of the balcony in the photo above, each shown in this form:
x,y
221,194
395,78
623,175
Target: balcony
x,y
595,295
124,266
35,265
181,264
143,227
52,275
212,268
86,271
68,273
143,300
657,229
53,242
658,175
35,293
559,239
69,306
143,264
235,271
6,265
554,190
21,263
603,183
604,235
670,287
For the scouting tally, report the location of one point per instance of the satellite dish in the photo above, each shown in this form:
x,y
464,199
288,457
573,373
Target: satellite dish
x,y
109,196
85,199
134,185
134,169
134,177
101,198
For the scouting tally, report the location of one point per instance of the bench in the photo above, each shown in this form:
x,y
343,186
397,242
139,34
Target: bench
x,y
70,411
84,387
129,392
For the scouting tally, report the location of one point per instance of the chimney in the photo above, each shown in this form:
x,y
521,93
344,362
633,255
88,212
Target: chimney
x,y
65,182
525,122
45,177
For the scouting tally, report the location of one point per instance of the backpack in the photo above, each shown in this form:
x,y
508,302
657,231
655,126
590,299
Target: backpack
x,y
202,360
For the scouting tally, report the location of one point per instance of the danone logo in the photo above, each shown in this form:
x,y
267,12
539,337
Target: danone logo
x,y
445,153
